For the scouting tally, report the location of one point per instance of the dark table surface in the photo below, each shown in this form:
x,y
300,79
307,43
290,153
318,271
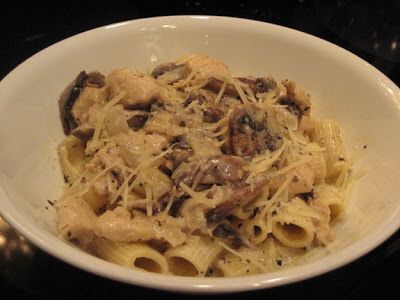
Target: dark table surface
x,y
371,30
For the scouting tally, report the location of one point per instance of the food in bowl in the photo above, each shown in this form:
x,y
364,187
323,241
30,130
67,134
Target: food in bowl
x,y
192,171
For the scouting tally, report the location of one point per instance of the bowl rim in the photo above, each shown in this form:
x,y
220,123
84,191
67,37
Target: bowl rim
x,y
87,262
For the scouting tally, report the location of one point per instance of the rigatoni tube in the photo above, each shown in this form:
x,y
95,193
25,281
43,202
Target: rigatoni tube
x,y
135,256
194,257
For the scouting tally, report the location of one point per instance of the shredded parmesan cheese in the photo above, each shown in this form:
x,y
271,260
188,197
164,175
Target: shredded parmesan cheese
x,y
187,161
244,257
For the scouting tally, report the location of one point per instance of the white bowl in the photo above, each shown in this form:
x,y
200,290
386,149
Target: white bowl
x,y
343,87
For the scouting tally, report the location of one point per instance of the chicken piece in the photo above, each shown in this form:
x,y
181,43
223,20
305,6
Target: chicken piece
x,y
139,91
164,123
87,107
138,146
306,125
159,183
206,67
118,228
170,229
303,181
324,232
115,120
76,220
202,145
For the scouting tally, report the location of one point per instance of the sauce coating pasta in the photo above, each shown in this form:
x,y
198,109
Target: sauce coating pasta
x,y
195,172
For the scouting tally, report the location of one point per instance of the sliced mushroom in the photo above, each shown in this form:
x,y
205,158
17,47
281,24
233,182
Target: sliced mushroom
x,y
249,133
83,132
71,94
197,96
291,106
222,169
168,73
181,151
163,68
177,204
264,85
260,84
95,79
212,113
185,172
238,198
257,85
225,231
137,121
215,85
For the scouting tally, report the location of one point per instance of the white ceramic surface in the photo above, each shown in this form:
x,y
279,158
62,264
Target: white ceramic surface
x,y
342,86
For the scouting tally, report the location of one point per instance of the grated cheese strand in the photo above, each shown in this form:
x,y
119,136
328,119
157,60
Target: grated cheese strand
x,y
290,167
244,257
93,143
240,91
149,200
194,195
220,93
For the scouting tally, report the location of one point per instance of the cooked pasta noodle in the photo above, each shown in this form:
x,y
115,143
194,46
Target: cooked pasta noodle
x,y
194,172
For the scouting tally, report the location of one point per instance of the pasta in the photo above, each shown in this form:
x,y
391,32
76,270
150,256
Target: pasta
x,y
137,256
194,257
194,172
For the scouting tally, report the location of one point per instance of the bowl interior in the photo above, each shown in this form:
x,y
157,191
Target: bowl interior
x,y
342,87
